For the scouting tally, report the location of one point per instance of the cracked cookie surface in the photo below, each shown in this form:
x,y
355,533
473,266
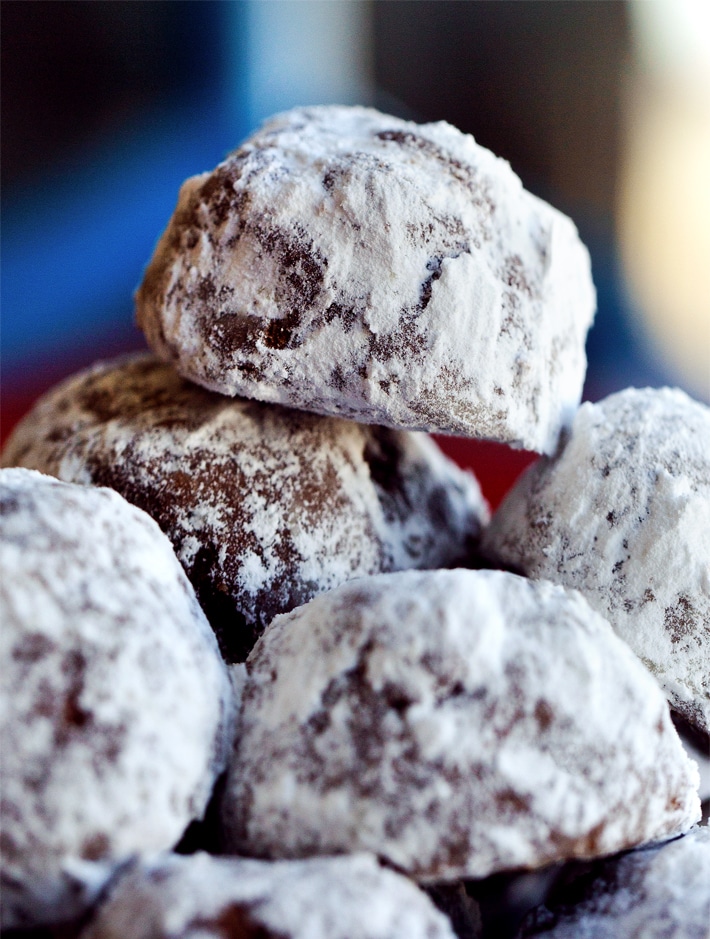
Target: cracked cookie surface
x,y
347,262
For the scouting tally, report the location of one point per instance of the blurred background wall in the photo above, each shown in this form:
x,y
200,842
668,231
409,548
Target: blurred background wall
x,y
603,109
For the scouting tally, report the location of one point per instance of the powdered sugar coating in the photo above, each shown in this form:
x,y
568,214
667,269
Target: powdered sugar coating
x,y
198,897
456,723
623,515
657,893
265,506
117,710
347,262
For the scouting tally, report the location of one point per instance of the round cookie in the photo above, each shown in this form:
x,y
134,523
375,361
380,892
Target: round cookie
x,y
347,262
622,514
657,893
234,898
265,506
117,709
455,723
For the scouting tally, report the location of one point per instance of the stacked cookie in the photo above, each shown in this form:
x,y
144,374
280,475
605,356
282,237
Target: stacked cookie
x,y
342,283
265,506
117,709
622,514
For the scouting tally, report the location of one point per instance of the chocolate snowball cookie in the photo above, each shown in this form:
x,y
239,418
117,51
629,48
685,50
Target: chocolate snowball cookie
x,y
347,262
455,723
265,506
116,709
233,898
656,893
623,515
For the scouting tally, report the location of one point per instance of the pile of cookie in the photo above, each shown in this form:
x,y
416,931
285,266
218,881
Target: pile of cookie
x,y
269,668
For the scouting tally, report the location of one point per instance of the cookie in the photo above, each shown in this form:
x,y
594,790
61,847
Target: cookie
x,y
350,263
456,723
657,893
265,506
116,709
233,898
623,515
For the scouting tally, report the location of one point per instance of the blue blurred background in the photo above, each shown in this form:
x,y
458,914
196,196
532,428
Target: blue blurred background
x,y
108,106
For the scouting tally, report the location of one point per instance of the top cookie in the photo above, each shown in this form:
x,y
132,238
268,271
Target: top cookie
x,y
346,262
